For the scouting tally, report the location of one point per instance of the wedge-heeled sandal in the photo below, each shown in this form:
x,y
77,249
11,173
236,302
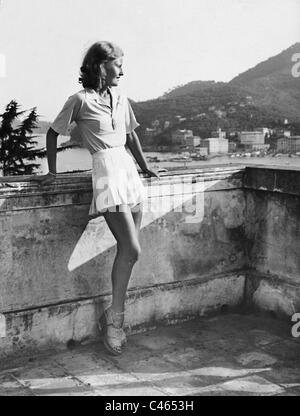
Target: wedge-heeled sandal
x,y
114,336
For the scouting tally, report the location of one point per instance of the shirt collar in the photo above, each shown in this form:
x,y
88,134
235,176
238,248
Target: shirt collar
x,y
114,94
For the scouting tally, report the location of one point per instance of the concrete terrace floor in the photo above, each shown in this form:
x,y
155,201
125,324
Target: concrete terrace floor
x,y
228,354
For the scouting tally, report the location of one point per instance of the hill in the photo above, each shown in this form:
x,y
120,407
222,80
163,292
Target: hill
x,y
272,85
261,96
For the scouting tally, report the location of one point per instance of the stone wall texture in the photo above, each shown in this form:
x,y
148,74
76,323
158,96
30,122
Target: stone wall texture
x,y
211,238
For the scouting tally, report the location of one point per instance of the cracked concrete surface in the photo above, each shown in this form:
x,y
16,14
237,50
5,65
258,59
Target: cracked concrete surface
x,y
224,355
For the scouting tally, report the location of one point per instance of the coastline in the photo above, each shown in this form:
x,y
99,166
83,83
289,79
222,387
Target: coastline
x,y
80,159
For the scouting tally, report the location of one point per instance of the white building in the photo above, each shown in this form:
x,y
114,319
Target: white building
x,y
215,145
252,140
287,133
251,137
223,146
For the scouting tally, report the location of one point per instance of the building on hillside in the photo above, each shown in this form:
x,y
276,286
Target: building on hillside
x,y
283,145
192,141
252,140
285,132
155,124
150,132
215,145
264,130
178,117
200,115
220,113
179,137
251,137
223,146
231,110
212,145
288,144
258,147
295,144
232,133
219,134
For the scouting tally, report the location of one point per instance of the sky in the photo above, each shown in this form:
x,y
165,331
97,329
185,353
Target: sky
x,y
166,43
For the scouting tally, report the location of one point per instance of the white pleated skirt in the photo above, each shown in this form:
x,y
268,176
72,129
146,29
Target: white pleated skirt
x,y
115,181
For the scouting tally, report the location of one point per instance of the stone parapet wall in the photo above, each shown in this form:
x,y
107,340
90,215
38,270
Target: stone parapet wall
x,y
273,237
213,237
55,262
51,252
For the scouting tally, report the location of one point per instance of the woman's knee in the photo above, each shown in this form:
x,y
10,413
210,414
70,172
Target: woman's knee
x,y
132,251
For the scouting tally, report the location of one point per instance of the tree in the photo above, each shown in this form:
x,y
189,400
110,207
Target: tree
x,y
17,148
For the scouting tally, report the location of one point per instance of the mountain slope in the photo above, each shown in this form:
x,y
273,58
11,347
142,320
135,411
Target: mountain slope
x,y
261,96
272,84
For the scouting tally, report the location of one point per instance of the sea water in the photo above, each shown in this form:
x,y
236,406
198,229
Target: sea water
x,y
80,159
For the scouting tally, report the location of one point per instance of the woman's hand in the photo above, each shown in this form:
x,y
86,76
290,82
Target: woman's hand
x,y
44,179
151,172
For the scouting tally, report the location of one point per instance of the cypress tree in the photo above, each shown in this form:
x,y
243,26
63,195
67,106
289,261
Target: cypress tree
x,y
18,150
16,143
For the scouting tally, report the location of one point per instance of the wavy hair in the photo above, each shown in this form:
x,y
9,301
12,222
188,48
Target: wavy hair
x,y
97,54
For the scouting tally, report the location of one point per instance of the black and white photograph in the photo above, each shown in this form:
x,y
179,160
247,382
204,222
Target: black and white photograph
x,y
149,201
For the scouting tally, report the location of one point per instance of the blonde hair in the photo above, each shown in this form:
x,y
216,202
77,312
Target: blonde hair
x,y
98,53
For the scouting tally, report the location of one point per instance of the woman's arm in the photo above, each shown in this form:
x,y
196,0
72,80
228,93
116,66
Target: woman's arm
x,y
133,142
135,147
51,144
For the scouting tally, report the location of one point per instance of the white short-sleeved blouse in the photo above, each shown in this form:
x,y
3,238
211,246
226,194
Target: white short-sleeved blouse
x,y
99,125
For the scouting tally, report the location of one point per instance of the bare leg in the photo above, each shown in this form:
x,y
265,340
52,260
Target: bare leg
x,y
123,227
137,215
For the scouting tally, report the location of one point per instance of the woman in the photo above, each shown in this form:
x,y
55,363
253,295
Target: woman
x,y
105,124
